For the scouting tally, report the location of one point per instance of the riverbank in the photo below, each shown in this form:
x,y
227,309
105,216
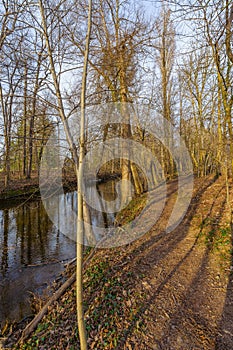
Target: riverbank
x,y
24,188
162,291
19,188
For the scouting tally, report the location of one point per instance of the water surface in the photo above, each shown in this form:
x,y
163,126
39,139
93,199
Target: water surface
x,y
33,251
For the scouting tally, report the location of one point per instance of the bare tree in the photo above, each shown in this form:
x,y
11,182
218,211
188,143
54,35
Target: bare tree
x,y
229,19
200,95
78,158
211,23
9,76
165,56
120,37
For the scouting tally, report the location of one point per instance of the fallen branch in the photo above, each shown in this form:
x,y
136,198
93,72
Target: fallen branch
x,y
67,265
32,325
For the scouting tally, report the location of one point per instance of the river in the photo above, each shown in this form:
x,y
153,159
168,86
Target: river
x,y
33,251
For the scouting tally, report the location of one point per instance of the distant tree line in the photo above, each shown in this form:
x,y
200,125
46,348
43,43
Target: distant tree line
x,y
184,72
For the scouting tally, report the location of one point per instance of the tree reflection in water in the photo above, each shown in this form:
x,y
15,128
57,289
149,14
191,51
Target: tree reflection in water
x,y
31,254
33,251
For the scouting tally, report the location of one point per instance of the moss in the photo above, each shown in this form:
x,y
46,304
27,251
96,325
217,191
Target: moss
x,y
132,210
15,193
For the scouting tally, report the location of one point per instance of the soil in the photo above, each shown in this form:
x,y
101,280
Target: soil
x,y
169,291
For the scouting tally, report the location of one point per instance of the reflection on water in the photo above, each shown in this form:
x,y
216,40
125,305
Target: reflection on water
x,y
33,250
29,248
103,203
101,214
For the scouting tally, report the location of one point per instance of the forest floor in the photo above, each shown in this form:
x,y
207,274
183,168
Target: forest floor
x,y
163,291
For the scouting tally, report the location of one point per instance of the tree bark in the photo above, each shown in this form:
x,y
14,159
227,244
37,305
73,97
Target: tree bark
x,y
79,173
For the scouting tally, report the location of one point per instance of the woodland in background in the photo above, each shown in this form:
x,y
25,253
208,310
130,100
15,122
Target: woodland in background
x,y
59,56
177,61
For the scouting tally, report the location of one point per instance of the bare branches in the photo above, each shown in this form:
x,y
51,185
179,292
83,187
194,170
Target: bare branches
x,y
229,19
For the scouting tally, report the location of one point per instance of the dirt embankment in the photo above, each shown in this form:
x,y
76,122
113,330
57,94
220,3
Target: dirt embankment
x,y
164,291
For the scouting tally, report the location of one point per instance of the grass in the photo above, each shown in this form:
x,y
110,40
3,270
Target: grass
x,y
132,210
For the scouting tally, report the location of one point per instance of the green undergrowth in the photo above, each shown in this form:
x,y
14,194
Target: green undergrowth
x,y
215,236
218,239
132,210
111,306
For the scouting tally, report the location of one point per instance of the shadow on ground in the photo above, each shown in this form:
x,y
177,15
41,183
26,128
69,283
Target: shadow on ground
x,y
165,278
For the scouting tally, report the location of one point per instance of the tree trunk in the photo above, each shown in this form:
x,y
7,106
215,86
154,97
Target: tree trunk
x,y
79,173
78,162
25,122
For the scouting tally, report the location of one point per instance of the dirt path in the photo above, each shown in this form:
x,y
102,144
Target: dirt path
x,y
179,289
163,291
